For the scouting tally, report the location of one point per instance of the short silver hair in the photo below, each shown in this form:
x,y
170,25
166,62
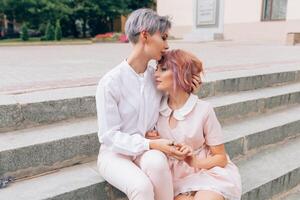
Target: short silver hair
x,y
145,19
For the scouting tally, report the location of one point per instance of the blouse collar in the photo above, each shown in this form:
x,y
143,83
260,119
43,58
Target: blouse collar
x,y
180,113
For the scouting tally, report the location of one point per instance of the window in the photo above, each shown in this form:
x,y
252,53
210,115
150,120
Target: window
x,y
274,10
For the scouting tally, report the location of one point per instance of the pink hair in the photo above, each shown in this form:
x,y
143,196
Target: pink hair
x,y
183,65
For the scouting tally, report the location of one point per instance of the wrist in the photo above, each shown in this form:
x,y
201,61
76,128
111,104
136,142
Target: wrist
x,y
152,144
195,162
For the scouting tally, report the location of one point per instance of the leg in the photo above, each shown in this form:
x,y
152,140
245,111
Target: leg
x,y
183,197
121,172
208,195
155,164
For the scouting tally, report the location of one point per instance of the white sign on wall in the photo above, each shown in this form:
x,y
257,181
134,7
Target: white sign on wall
x,y
206,12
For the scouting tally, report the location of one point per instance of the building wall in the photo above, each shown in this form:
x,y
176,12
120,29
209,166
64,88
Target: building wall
x,y
293,9
255,31
242,11
293,16
181,13
242,19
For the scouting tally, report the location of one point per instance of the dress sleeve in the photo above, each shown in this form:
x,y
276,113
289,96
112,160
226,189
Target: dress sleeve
x,y
109,123
212,128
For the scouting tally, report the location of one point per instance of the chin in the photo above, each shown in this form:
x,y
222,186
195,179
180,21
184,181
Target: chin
x,y
161,89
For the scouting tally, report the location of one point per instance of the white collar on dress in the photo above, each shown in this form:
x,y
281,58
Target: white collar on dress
x,y
180,113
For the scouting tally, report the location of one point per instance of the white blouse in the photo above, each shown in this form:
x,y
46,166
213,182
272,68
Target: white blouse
x,y
127,107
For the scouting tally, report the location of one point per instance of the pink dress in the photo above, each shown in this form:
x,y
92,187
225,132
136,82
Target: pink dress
x,y
198,127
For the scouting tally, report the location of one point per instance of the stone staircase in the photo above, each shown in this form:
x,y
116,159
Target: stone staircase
x,y
48,139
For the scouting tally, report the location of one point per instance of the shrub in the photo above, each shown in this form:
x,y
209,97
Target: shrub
x,y
50,32
24,32
58,32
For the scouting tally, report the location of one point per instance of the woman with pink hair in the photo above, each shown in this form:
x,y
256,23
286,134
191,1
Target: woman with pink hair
x,y
206,172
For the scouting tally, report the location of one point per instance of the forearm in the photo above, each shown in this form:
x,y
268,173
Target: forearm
x,y
219,160
158,145
124,143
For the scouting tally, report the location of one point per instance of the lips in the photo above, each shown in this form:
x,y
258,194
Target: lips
x,y
157,82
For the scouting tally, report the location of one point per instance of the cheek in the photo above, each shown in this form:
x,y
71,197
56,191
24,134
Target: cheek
x,y
168,80
158,44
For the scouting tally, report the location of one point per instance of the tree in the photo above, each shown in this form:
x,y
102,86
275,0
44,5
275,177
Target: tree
x,y
58,33
24,32
95,16
50,32
85,11
133,5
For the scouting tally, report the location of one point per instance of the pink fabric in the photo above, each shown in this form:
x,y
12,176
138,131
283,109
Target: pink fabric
x,y
199,128
145,177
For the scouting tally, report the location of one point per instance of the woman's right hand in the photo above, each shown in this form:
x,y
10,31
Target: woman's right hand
x,y
168,147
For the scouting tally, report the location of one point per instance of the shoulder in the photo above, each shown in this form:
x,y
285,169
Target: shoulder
x,y
111,80
112,75
204,106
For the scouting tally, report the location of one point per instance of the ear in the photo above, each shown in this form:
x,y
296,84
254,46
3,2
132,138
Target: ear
x,y
144,35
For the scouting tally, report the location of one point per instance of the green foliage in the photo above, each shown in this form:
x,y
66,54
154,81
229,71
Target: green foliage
x,y
58,33
95,16
24,32
50,32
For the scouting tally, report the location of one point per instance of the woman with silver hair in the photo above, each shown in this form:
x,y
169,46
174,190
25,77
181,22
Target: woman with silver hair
x,y
128,108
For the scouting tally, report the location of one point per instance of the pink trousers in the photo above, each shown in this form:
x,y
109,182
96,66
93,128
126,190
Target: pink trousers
x,y
148,177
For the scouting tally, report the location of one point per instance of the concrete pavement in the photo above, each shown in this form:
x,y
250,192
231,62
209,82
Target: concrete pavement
x,y
31,68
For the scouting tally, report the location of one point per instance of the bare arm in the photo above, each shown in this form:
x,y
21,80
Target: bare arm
x,y
218,158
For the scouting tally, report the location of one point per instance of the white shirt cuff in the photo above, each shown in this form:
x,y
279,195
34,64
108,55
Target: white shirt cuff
x,y
147,144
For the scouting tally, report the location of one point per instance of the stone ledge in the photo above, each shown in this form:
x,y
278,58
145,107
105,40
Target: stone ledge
x,y
293,38
43,107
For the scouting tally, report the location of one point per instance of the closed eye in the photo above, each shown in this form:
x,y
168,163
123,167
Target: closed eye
x,y
164,69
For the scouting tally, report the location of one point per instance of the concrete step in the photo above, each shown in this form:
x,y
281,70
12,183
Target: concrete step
x,y
251,103
260,180
253,133
81,182
45,107
236,81
37,150
33,151
293,194
272,171
19,111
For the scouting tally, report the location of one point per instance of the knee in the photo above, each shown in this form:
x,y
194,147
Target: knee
x,y
154,160
140,190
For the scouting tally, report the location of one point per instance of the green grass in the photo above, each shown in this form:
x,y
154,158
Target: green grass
x,y
37,41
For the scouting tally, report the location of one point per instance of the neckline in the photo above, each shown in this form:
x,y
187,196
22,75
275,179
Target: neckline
x,y
181,113
140,75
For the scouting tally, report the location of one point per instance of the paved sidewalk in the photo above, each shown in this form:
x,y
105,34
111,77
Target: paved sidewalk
x,y
31,68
